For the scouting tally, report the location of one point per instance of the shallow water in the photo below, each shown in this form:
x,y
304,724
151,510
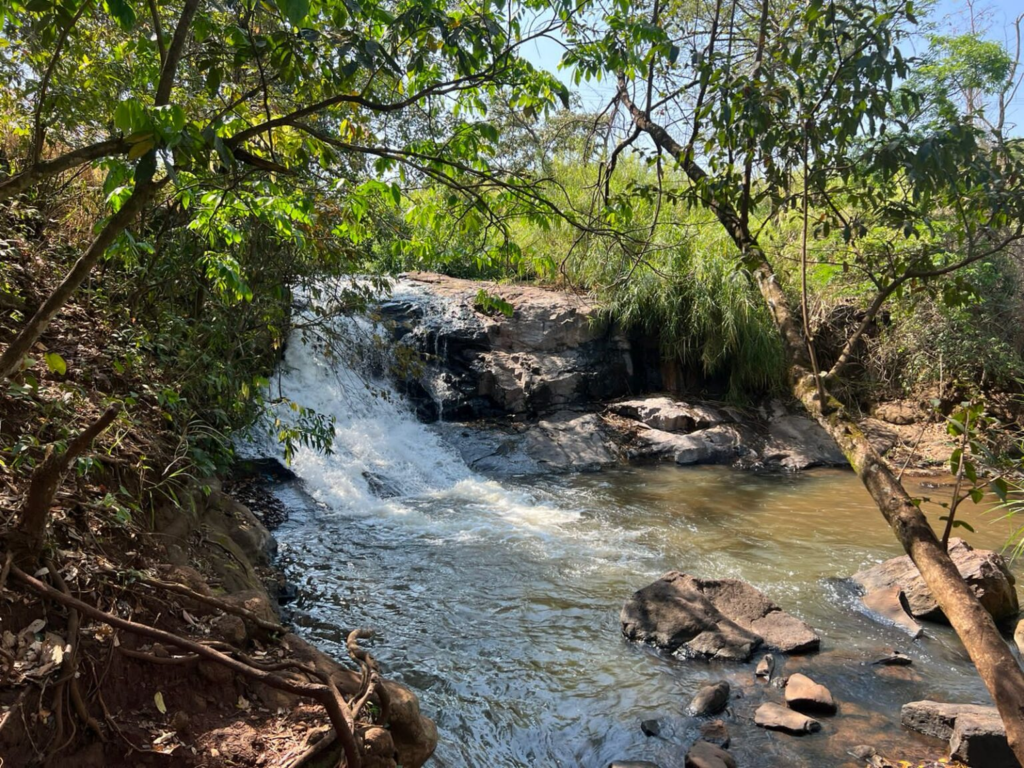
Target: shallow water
x,y
499,606
497,602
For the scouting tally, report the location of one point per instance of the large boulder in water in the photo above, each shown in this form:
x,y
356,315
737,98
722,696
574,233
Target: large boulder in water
x,y
985,571
714,618
975,733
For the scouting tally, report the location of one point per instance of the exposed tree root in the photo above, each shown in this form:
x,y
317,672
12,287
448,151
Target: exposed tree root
x,y
325,692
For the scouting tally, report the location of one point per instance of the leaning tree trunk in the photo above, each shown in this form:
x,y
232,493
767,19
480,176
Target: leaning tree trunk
x,y
977,630
145,187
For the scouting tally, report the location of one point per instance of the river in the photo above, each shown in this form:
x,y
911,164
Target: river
x,y
497,600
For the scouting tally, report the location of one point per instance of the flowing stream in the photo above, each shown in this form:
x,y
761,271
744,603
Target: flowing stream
x,y
497,601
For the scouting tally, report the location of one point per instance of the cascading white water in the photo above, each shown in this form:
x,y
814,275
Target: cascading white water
x,y
382,456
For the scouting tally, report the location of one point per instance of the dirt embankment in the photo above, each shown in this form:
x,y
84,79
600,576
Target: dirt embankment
x,y
200,573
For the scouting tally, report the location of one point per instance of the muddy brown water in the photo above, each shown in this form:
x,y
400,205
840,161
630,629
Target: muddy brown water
x,y
498,603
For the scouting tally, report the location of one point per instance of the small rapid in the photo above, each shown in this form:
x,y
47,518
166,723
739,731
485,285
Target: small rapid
x,y
497,601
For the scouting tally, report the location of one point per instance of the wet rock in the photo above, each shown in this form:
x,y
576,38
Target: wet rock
x,y
937,718
979,741
706,755
985,571
570,441
805,695
668,415
863,752
710,699
554,350
894,659
775,717
726,619
888,603
715,732
975,732
765,667
650,727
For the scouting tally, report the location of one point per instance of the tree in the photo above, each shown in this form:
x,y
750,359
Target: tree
x,y
235,100
772,109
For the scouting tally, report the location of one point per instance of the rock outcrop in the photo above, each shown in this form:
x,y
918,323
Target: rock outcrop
x,y
519,383
985,571
554,350
975,733
723,619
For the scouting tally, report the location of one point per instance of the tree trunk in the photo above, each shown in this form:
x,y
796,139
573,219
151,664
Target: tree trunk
x,y
27,540
145,187
991,655
10,360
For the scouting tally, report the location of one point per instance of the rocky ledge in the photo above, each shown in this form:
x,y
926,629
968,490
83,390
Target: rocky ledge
x,y
553,386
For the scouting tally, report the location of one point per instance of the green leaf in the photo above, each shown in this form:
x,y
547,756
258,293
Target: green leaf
x,y
294,10
121,11
158,699
56,363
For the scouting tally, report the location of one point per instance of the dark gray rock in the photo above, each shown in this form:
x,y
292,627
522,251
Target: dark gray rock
x,y
706,755
633,764
710,699
805,695
650,727
725,619
775,717
985,571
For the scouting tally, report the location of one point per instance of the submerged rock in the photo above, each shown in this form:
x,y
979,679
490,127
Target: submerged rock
x,y
633,764
775,717
715,732
725,619
710,699
706,755
984,570
805,695
650,727
975,732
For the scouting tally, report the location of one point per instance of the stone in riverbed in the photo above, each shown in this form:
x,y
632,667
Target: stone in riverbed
x,y
710,699
650,727
805,695
888,604
985,571
725,619
975,732
765,667
705,755
775,717
715,732
633,764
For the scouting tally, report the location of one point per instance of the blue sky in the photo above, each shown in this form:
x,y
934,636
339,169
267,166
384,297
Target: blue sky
x,y
997,18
